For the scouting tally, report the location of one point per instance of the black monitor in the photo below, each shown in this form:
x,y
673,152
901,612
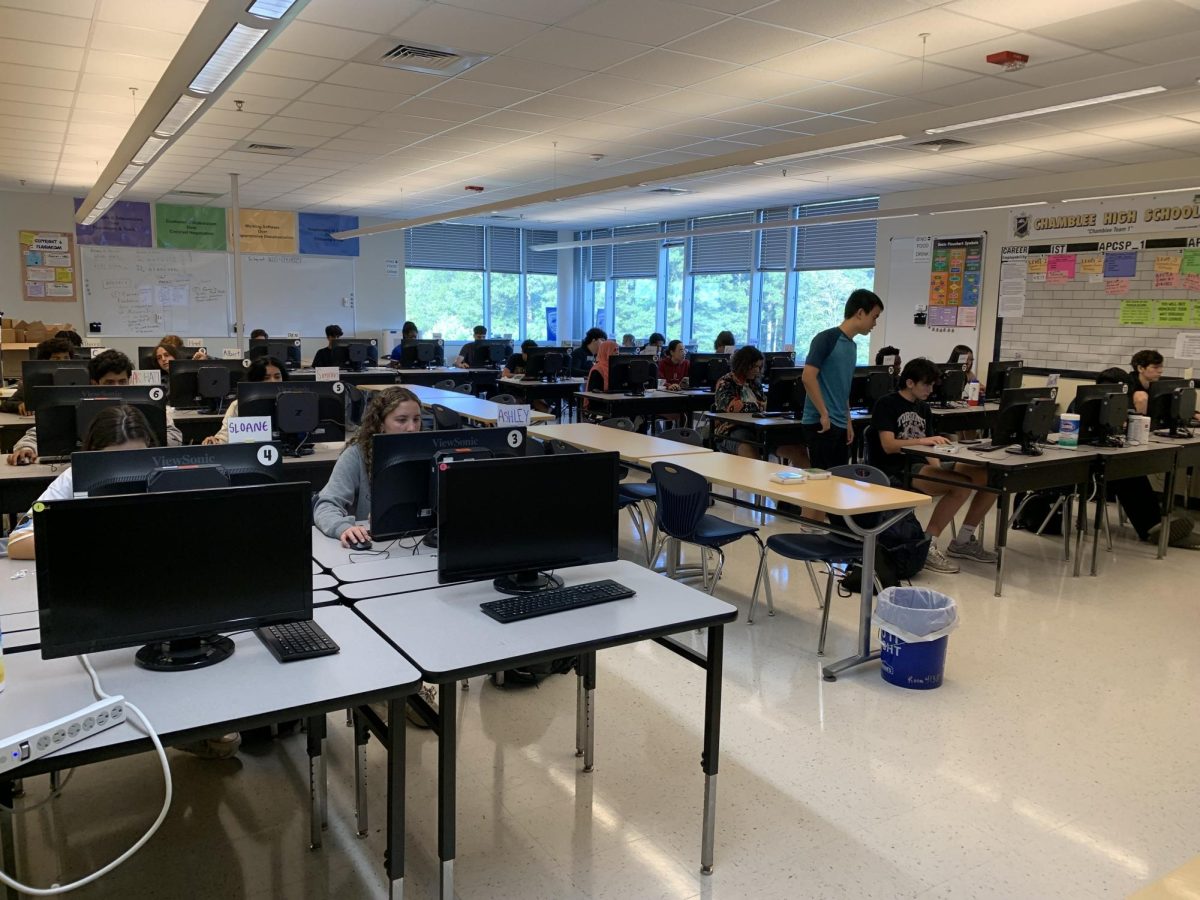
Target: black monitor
x,y
422,353
250,547
355,353
1103,409
1026,416
952,381
64,413
631,375
774,361
476,504
786,393
628,351
546,364
189,387
301,412
1171,406
403,480
146,358
706,369
1003,375
103,474
286,351
490,354
870,384
50,373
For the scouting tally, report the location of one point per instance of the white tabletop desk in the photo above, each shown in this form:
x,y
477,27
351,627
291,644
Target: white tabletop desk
x,y
632,446
447,637
329,554
18,593
482,412
247,690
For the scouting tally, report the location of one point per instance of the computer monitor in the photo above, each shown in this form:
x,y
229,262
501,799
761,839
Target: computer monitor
x,y
630,375
64,413
477,539
773,361
628,351
354,353
786,393
491,354
146,358
103,474
286,351
301,412
706,369
1103,409
1026,416
250,547
189,388
871,383
50,373
952,381
422,353
1003,375
546,364
403,472
1171,406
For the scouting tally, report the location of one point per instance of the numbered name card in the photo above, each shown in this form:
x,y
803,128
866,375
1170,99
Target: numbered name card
x,y
193,342
328,373
231,353
249,429
513,416
146,376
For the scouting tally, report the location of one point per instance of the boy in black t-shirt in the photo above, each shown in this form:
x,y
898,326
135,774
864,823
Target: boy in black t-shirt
x,y
903,419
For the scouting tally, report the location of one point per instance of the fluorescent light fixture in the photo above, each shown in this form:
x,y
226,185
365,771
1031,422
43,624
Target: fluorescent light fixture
x,y
131,172
114,192
825,151
149,150
947,212
1041,111
240,41
1134,194
185,107
270,9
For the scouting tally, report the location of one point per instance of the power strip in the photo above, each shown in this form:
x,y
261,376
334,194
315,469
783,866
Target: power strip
x,y
37,742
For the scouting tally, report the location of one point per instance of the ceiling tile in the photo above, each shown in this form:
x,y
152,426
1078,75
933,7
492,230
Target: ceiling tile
x,y
39,125
565,107
27,25
751,83
947,31
285,138
647,23
354,98
30,53
910,77
383,78
463,29
378,16
561,47
642,117
270,86
33,111
522,121
321,112
690,103
399,121
972,91
830,98
611,89
283,64
137,41
306,126
323,40
253,103
547,12
521,73
175,16
476,92
831,61
668,67
832,17
218,115
1166,49
1077,68
1038,49
744,42
450,112
79,8
1143,21
759,115
58,79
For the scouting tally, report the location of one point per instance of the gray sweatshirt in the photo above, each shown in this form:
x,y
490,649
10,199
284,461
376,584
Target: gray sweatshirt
x,y
29,438
346,497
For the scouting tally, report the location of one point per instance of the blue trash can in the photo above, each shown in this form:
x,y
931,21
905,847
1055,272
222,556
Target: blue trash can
x,y
914,624
918,665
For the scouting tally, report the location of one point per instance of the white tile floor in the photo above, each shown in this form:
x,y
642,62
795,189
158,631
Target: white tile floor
x,y
1057,760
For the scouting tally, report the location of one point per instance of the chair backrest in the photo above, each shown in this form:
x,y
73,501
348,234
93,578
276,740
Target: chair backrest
x,y
446,384
624,423
444,418
869,475
683,436
558,446
506,399
681,499
464,388
535,447
872,447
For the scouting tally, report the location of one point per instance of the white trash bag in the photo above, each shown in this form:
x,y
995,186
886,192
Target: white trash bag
x,y
915,614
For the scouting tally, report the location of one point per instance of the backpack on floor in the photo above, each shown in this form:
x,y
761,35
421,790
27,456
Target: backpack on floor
x,y
532,674
900,553
1034,512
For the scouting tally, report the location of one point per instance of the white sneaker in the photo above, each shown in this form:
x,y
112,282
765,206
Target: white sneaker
x,y
936,561
971,549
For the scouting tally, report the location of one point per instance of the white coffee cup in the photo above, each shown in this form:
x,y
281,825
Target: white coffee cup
x,y
1138,430
662,384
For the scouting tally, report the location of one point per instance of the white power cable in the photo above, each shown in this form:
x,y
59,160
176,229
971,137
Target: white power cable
x,y
141,842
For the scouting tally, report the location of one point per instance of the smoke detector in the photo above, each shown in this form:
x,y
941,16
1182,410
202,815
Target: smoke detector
x,y
1011,60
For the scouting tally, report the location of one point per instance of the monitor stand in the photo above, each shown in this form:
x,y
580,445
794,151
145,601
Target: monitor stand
x,y
1028,447
186,653
526,582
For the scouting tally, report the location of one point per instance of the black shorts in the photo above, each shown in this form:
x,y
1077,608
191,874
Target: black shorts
x,y
826,449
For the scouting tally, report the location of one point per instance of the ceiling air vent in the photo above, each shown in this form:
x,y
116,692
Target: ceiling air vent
x,y
269,149
941,144
427,59
668,190
203,195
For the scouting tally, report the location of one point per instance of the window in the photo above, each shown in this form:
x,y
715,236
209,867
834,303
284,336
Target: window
x,y
773,310
675,285
821,302
720,303
635,302
596,296
505,297
541,294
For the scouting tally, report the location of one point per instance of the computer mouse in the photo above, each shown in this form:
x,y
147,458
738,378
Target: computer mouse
x,y
360,545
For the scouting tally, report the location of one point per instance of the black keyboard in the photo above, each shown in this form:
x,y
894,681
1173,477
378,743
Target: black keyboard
x,y
297,640
542,603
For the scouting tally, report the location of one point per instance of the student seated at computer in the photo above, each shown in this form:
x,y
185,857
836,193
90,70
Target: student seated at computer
x,y
881,358
259,334
628,340
964,355
740,391
903,419
1147,368
673,366
515,365
724,342
52,348
174,340
112,367
323,358
478,335
584,355
408,332
346,498
655,345
163,354
264,368
597,378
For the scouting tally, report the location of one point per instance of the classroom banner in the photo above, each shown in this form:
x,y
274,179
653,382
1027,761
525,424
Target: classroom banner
x,y
315,229
1120,215
189,227
47,265
267,231
127,223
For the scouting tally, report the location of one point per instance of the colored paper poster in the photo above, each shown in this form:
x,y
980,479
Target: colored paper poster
x,y
1196,312
1060,267
1091,264
1137,312
189,227
1189,262
970,296
1166,280
939,275
315,229
127,223
267,231
1172,313
47,265
1191,282
968,316
1167,263
1116,287
1036,268
1120,265
942,317
956,271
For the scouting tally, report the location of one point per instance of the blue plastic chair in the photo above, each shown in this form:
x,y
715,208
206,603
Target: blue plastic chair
x,y
444,418
681,498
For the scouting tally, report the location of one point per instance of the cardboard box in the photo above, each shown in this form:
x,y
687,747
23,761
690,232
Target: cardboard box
x,y
8,335
6,322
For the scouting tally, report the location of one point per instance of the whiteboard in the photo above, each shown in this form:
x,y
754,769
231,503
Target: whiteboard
x,y
297,293
908,288
138,291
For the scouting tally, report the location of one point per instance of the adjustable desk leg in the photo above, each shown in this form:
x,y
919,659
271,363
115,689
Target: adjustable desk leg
x,y
587,663
318,798
362,734
393,860
865,654
447,776
1003,512
8,849
1168,507
579,704
712,743
1098,520
1068,521
1080,525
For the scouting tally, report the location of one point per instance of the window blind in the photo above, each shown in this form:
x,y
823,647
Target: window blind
x,y
773,244
844,245
543,262
504,249
599,259
638,260
444,246
730,252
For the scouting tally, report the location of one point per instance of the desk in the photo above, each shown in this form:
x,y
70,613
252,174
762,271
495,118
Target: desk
x,y
554,391
448,638
479,379
652,403
12,427
1115,463
248,690
837,496
484,412
965,418
18,593
632,447
196,425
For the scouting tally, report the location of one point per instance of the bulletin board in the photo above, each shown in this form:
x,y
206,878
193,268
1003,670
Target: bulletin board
x,y
48,270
